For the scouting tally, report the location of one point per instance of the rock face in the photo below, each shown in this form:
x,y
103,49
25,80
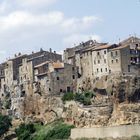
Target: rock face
x,y
44,109
117,102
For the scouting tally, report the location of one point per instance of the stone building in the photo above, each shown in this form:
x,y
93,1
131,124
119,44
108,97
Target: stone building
x,y
100,60
126,57
81,56
55,77
17,78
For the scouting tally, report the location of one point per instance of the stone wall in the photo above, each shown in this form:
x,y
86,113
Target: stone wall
x,y
103,132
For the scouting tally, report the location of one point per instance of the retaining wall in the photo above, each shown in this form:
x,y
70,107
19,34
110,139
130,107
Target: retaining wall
x,y
103,132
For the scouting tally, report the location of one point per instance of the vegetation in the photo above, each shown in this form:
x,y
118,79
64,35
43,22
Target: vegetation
x,y
55,130
25,131
5,124
68,97
135,138
84,98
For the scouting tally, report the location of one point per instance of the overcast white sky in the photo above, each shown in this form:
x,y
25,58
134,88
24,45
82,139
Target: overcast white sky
x,y
28,25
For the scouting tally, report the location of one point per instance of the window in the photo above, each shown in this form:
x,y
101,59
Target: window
x,y
72,68
98,61
21,79
97,70
116,53
104,52
49,89
104,60
61,90
111,53
112,61
106,69
95,62
101,70
117,61
57,78
68,89
73,77
98,53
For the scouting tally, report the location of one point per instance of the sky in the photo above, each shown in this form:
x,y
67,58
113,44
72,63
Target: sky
x,y
28,25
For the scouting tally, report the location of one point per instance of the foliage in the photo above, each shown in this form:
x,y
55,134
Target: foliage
x,y
5,124
25,131
68,97
84,98
55,130
135,138
61,131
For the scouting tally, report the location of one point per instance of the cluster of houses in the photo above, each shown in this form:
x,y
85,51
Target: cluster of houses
x,y
95,59
46,72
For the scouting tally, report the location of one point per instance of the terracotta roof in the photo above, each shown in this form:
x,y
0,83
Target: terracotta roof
x,y
46,62
120,47
58,65
102,47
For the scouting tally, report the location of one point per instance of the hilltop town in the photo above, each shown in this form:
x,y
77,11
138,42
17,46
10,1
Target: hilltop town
x,y
32,85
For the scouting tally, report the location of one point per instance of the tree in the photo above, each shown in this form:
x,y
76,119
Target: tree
x,y
5,124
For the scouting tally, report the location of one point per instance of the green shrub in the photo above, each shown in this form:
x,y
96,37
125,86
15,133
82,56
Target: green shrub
x,y
135,138
25,131
68,97
61,131
84,98
52,131
5,124
87,101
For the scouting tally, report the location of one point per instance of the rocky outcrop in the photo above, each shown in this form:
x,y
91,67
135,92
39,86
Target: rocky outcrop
x,y
117,102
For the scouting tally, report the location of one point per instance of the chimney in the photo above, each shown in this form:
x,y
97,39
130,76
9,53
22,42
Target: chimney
x,y
50,50
55,52
41,50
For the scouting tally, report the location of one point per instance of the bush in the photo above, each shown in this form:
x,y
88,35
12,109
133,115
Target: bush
x,y
25,131
55,130
68,97
84,98
61,131
5,124
87,101
135,138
